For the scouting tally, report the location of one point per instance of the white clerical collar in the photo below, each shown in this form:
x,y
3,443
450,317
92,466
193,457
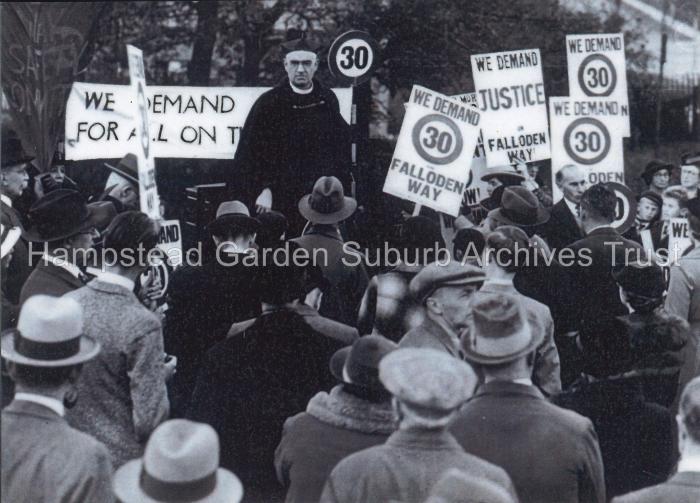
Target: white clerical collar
x,y
116,279
6,200
51,403
689,464
72,269
299,90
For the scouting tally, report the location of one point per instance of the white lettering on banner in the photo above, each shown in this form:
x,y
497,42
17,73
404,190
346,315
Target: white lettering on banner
x,y
510,93
588,133
434,150
149,201
185,122
597,68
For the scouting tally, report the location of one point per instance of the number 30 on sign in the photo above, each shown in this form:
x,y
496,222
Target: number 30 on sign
x,y
353,57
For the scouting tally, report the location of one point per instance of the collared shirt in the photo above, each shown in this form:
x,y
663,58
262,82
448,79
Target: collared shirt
x,y
299,90
603,226
116,279
525,381
574,208
6,200
689,464
63,264
46,401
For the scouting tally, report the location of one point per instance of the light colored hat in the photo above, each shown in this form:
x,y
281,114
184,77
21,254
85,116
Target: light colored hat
x,y
427,378
181,463
233,215
434,276
498,330
456,486
10,236
49,334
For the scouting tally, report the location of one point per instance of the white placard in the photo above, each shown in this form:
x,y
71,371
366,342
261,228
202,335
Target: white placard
x,y
170,241
510,93
587,133
149,201
679,239
597,68
434,150
186,122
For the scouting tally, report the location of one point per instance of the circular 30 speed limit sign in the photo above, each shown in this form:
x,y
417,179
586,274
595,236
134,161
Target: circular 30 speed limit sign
x,y
437,139
587,141
353,57
597,75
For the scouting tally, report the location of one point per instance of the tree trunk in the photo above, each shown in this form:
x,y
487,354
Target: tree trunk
x,y
199,67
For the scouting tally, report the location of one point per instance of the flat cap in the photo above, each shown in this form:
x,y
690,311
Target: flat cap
x,y
435,275
427,378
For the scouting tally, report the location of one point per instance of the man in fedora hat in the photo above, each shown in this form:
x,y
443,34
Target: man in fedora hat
x,y
293,135
122,185
325,208
551,454
428,388
43,458
564,225
123,393
444,291
181,463
62,229
593,289
657,175
13,182
684,485
503,176
204,300
355,415
266,370
518,207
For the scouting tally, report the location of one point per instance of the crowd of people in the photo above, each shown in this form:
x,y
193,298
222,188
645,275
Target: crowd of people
x,y
536,355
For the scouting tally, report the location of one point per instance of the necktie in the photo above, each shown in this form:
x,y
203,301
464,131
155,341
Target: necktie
x,y
578,210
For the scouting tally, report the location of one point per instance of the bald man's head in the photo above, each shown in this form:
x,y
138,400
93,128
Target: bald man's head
x,y
689,410
571,180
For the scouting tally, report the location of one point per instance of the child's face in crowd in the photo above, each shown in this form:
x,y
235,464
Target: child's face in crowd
x,y
646,210
671,208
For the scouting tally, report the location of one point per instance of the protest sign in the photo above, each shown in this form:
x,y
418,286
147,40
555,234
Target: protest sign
x,y
44,49
433,153
678,238
148,192
510,93
586,133
626,208
352,57
597,69
170,241
186,122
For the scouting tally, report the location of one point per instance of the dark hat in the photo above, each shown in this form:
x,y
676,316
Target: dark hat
x,y
283,281
464,237
49,333
60,214
13,153
436,275
327,203
507,175
521,208
233,215
690,158
654,166
297,41
605,346
273,225
127,167
652,196
359,364
498,330
104,212
641,279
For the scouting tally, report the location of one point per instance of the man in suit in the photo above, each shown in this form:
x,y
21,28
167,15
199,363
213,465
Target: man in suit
x,y
551,454
123,394
444,291
428,388
44,459
594,290
684,486
13,182
63,228
564,225
266,370
324,209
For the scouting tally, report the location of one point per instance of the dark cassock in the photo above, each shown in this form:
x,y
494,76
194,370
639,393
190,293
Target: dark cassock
x,y
293,135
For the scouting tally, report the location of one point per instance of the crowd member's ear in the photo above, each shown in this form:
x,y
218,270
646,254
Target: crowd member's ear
x,y
433,305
